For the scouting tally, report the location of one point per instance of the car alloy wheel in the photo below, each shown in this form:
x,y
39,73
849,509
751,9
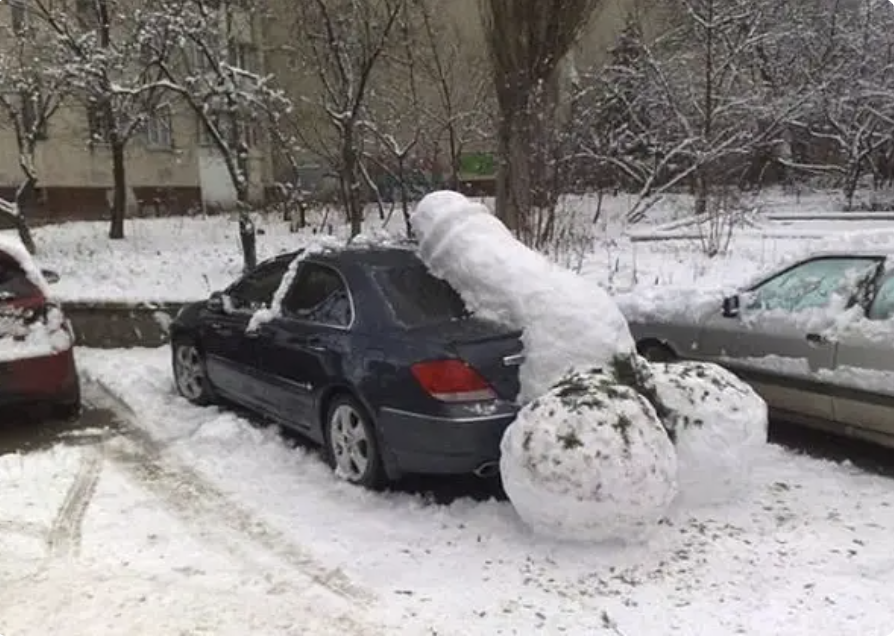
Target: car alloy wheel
x,y
352,445
189,373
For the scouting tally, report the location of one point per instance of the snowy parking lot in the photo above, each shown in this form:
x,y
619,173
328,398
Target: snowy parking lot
x,y
160,517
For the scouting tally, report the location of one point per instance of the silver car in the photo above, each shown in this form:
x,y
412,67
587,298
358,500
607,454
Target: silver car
x,y
815,339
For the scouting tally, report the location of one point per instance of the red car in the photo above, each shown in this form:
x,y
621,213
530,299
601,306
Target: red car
x,y
37,365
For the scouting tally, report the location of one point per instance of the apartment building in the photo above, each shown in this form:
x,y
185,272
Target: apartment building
x,y
172,166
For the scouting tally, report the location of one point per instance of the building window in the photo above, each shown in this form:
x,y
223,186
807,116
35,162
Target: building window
x,y
18,17
160,129
99,125
196,59
32,122
247,131
244,57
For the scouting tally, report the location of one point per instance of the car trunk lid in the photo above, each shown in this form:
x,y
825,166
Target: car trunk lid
x,y
493,350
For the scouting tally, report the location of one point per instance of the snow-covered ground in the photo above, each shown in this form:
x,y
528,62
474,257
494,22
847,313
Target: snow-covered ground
x,y
187,258
190,520
231,530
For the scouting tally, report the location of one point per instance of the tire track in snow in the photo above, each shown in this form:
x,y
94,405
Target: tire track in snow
x,y
213,515
64,537
24,528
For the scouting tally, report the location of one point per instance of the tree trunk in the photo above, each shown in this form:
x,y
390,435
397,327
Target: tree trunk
x,y
350,183
248,240
20,221
119,197
404,196
526,175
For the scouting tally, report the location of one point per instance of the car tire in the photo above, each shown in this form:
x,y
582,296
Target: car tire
x,y
190,376
352,448
657,352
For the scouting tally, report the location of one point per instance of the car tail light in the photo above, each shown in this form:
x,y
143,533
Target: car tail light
x,y
452,381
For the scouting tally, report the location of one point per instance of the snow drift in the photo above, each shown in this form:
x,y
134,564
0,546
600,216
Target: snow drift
x,y
568,322
589,461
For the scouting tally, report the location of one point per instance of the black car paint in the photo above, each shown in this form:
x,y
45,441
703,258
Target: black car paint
x,y
289,370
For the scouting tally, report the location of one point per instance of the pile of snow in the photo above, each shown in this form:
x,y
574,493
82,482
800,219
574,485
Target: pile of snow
x,y
589,461
717,423
569,323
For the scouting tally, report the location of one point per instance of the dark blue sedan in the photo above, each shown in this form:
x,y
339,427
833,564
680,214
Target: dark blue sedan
x,y
370,356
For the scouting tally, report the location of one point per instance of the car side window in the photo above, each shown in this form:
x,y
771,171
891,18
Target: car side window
x,y
255,291
319,295
882,307
811,285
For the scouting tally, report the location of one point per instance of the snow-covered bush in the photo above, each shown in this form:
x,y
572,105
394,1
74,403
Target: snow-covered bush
x,y
589,461
569,322
716,421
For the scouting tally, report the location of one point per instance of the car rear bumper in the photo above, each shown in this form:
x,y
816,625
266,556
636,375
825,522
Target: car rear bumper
x,y
45,379
429,444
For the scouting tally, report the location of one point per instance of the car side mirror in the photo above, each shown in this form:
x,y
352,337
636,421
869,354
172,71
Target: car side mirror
x,y
215,302
50,276
731,306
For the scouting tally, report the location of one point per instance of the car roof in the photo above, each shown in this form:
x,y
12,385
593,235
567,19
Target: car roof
x,y
389,255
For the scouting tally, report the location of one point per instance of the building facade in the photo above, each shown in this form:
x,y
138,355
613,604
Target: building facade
x,y
172,167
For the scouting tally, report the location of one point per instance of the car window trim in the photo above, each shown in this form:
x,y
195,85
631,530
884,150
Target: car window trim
x,y
344,282
268,263
881,279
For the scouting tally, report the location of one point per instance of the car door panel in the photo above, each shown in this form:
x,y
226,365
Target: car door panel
x,y
307,345
227,354
230,350
774,354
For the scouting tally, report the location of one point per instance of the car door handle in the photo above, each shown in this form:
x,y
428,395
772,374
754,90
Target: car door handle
x,y
314,345
816,338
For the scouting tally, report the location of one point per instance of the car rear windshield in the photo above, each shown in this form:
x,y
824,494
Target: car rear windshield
x,y
418,298
13,281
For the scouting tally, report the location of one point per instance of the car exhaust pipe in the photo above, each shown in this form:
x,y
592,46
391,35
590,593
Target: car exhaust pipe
x,y
487,470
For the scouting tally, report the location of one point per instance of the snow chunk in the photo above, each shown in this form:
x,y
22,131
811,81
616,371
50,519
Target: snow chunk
x,y
717,423
589,461
14,248
568,322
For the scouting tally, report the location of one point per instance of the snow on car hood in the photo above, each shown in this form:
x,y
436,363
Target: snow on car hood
x,y
663,305
20,341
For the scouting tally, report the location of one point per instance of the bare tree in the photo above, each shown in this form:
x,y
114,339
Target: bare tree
x,y
698,108
340,48
527,41
113,74
217,72
462,111
851,119
33,85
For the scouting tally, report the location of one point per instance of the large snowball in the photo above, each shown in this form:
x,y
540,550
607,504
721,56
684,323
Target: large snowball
x,y
717,423
568,322
589,461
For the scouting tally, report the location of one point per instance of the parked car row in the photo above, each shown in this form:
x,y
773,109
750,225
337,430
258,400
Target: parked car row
x,y
815,339
379,362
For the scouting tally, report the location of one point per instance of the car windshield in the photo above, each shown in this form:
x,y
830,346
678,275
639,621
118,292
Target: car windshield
x,y
418,298
13,281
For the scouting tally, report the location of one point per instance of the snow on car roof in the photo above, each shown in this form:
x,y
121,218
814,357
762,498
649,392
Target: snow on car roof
x,y
15,249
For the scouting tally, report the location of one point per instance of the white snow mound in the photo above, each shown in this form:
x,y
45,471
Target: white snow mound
x,y
568,322
589,461
718,424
